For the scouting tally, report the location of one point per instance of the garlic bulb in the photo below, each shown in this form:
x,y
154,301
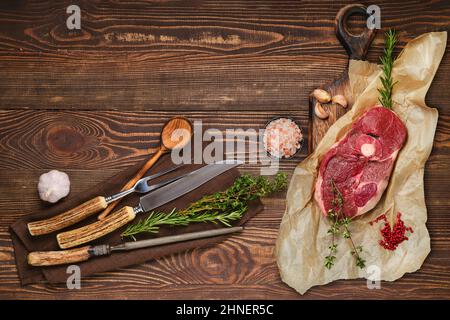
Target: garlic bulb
x,y
53,186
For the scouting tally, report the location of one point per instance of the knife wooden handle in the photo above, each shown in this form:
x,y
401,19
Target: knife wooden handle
x,y
52,258
67,218
117,219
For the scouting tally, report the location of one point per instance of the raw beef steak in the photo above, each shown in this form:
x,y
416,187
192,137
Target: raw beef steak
x,y
361,162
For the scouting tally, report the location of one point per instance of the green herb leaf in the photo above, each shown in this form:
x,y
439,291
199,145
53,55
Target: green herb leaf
x,y
360,262
333,248
346,234
329,261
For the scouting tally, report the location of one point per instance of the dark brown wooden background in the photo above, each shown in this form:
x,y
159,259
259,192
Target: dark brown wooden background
x,y
92,102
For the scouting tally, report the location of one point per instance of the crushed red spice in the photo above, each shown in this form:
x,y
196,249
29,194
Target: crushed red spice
x,y
392,237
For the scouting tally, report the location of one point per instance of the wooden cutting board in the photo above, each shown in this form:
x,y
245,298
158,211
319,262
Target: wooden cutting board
x,y
356,47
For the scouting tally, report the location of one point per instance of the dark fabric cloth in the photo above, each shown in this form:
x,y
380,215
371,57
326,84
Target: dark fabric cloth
x,y
24,243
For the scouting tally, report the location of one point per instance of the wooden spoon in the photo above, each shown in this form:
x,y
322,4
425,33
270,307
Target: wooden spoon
x,y
177,127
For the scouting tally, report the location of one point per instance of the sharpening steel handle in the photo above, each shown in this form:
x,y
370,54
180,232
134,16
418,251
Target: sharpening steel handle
x,y
98,229
52,258
68,218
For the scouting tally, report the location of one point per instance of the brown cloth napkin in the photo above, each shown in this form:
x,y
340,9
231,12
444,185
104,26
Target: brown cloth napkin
x,y
24,243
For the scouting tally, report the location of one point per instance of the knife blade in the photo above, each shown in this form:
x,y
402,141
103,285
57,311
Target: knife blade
x,y
188,183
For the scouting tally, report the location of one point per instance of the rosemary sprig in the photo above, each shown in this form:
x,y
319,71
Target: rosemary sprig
x,y
340,222
220,207
387,63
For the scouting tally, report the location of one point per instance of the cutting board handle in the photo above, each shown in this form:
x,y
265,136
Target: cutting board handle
x,y
355,45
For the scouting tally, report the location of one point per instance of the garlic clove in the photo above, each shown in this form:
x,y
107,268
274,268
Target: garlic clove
x,y
340,99
321,95
320,112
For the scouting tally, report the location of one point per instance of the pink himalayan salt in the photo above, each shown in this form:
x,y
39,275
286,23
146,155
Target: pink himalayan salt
x,y
282,138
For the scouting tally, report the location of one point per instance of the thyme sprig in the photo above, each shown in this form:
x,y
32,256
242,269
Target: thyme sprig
x,y
220,207
387,62
340,224
334,230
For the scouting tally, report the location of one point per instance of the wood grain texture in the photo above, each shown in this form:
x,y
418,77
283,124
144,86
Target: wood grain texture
x,y
172,55
92,103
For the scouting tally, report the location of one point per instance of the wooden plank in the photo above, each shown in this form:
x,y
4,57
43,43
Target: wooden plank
x,y
105,140
191,55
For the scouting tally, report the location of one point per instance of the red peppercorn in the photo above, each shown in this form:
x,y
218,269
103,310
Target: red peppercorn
x,y
392,237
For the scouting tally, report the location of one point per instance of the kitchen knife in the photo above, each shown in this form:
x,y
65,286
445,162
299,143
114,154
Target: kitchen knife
x,y
119,218
51,258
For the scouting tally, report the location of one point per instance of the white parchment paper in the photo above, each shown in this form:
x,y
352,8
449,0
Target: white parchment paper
x,y
303,241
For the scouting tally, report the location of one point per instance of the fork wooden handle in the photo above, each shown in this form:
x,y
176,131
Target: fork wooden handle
x,y
114,221
68,218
